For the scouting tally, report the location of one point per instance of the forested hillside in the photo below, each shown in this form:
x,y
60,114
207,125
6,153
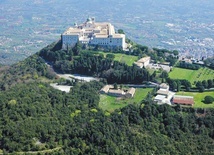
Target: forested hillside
x,y
31,69
36,117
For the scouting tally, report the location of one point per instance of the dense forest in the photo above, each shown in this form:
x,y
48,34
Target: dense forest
x,y
36,117
31,69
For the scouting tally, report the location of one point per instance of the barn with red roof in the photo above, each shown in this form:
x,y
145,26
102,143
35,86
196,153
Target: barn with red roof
x,y
183,100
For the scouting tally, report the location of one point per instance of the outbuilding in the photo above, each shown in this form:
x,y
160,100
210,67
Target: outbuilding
x,y
130,93
183,100
116,92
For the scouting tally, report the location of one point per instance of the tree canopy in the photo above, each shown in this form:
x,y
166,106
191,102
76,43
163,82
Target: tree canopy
x,y
35,117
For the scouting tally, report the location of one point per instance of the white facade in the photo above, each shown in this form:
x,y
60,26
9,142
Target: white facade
x,y
143,62
93,33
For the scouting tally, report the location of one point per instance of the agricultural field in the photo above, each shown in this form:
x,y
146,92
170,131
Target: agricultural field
x,y
128,59
203,73
111,103
198,98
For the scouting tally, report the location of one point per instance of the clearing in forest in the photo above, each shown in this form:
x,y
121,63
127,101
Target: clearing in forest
x,y
110,103
124,58
203,73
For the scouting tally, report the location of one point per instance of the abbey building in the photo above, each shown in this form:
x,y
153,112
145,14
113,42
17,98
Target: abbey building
x,y
93,33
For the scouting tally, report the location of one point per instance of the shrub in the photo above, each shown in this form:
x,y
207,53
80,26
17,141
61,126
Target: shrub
x,y
208,99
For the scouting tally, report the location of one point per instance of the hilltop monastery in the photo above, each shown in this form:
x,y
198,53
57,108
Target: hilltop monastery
x,y
93,33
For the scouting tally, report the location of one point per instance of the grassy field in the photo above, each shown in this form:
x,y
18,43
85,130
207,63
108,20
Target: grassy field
x,y
198,98
192,75
111,103
128,59
124,58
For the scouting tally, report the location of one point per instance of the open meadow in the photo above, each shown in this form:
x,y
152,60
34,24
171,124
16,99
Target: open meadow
x,y
203,73
198,98
128,59
111,103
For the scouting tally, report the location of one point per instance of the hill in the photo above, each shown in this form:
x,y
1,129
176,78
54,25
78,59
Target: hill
x,y
37,119
31,69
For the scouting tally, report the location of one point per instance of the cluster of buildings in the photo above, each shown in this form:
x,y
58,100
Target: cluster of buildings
x,y
166,68
191,61
145,62
93,33
164,96
103,34
109,89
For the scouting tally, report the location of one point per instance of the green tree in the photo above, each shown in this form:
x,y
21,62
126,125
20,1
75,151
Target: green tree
x,y
201,89
115,86
205,84
175,52
208,99
110,56
210,83
120,31
174,85
77,49
164,74
198,84
178,85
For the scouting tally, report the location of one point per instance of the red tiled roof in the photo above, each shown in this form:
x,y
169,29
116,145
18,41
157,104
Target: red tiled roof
x,y
188,101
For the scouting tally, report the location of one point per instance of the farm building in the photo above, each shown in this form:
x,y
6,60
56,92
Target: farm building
x,y
105,89
164,96
167,68
159,99
183,100
143,62
130,93
164,86
164,92
109,89
116,92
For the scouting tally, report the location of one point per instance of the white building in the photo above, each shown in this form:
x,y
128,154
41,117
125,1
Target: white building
x,y
164,86
93,33
164,96
143,62
130,93
109,89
